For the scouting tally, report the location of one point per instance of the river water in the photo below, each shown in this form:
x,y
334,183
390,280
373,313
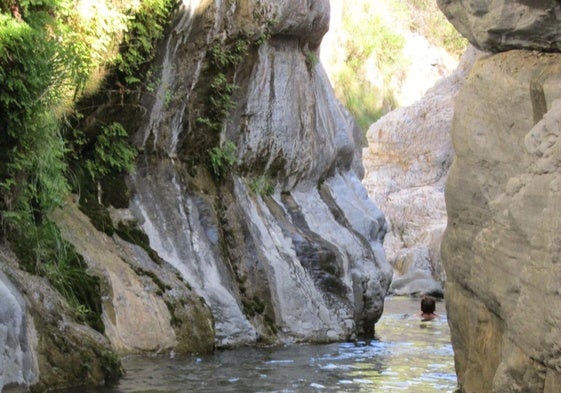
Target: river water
x,y
407,356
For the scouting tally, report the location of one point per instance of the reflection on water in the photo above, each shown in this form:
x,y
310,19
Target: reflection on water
x,y
407,356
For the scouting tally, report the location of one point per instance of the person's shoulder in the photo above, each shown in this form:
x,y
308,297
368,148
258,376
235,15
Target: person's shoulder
x,y
429,317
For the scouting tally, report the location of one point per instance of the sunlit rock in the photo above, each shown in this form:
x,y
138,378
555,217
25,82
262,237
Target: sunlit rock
x,y
302,261
501,246
407,160
140,299
18,361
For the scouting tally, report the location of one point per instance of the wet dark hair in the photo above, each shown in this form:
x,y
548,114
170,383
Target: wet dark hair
x,y
428,304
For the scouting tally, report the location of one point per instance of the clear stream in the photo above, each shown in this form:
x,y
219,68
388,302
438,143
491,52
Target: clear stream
x,y
407,356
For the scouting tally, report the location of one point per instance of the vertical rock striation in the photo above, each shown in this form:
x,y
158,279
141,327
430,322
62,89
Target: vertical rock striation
x,y
301,261
246,206
501,245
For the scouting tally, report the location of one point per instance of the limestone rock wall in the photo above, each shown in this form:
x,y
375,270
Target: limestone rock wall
x,y
277,242
499,25
407,160
43,344
501,246
303,261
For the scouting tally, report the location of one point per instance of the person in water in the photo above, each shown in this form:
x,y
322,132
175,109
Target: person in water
x,y
428,306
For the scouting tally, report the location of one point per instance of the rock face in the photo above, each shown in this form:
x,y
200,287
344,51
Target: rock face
x,y
499,25
407,159
246,210
501,246
43,344
18,363
140,299
302,261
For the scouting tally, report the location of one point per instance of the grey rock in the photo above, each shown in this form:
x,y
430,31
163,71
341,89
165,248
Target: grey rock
x,y
44,346
135,288
500,25
302,263
18,360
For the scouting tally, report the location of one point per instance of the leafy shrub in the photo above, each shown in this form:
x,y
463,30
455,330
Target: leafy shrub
x,y
222,61
50,51
112,152
223,158
262,185
145,28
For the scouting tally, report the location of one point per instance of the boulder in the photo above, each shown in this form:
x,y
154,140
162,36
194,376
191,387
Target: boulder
x,y
147,308
500,25
44,346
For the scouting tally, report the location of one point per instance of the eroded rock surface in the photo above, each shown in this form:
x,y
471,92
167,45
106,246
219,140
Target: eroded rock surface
x,y
303,261
43,344
499,25
142,301
408,157
18,362
246,208
501,246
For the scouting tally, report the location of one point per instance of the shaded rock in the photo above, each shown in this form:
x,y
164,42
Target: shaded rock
x,y
407,160
500,25
146,307
501,245
51,349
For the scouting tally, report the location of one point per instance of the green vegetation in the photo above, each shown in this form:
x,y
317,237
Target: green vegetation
x,y
223,158
262,185
311,59
426,19
42,250
220,71
145,28
371,38
370,58
112,152
52,53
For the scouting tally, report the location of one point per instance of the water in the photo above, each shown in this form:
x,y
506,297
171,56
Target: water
x,y
407,356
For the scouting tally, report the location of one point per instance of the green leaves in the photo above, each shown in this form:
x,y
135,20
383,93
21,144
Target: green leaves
x,y
223,158
262,185
112,152
145,28
222,62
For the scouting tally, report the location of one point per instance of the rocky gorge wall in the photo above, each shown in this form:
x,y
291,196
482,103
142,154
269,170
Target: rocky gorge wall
x,y
501,246
407,160
248,228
